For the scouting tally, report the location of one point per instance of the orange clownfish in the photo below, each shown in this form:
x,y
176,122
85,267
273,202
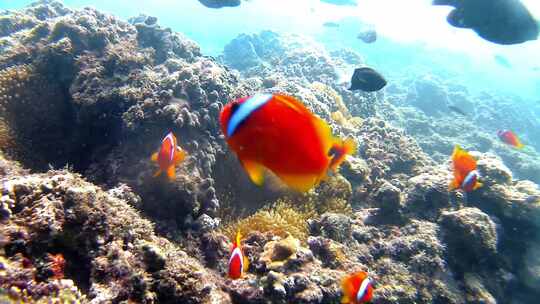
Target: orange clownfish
x,y
238,263
278,133
357,288
465,173
508,137
168,156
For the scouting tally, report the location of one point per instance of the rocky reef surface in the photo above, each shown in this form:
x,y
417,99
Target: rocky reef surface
x,y
86,98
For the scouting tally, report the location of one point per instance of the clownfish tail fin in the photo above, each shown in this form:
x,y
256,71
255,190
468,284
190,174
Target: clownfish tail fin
x,y
339,150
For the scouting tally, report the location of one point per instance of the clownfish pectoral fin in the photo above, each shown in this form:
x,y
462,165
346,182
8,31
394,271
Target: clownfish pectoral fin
x,y
299,182
179,156
171,173
255,171
477,185
154,157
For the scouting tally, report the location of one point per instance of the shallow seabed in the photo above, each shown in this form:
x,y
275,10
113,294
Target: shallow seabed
x,y
86,97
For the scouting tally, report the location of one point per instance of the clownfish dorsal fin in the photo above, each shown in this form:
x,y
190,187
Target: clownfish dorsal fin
x,y
254,170
292,103
238,238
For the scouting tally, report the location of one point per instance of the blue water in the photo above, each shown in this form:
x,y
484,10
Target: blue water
x,y
414,36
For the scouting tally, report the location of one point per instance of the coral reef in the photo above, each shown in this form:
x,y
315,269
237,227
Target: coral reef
x,y
110,251
85,99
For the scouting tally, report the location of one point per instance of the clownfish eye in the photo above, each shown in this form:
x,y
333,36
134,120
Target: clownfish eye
x,y
234,107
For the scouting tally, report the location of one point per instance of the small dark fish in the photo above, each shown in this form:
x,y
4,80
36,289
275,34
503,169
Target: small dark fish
x,y
368,36
502,61
220,3
457,110
499,21
330,24
367,79
341,2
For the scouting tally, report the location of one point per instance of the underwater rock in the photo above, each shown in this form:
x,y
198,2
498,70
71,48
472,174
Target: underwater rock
x,y
429,96
282,254
104,240
355,169
389,198
492,170
531,267
333,226
471,236
427,194
329,252
476,291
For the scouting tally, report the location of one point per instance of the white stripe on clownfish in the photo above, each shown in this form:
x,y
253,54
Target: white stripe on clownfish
x,y
245,109
471,177
237,253
363,289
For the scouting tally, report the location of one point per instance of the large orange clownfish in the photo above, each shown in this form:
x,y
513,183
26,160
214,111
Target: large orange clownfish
x,y
465,174
168,156
357,288
277,132
238,263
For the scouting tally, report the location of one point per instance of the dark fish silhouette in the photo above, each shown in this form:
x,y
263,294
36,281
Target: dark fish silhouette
x,y
498,21
368,36
341,2
502,61
220,3
330,24
367,79
457,110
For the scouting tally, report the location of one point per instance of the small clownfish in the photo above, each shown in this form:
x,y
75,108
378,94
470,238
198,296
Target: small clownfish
x,y
238,263
510,138
168,156
465,174
357,288
278,133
